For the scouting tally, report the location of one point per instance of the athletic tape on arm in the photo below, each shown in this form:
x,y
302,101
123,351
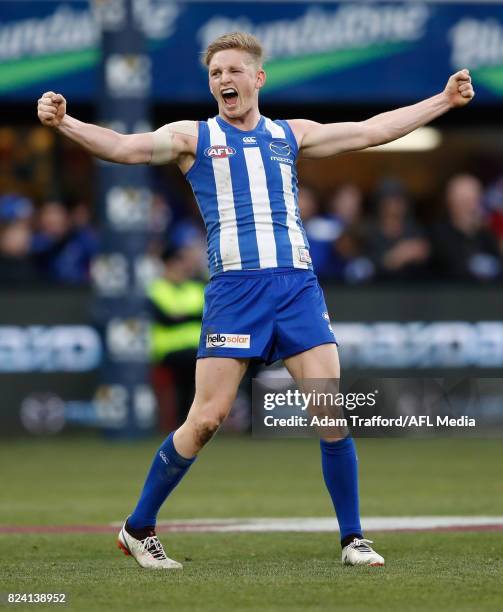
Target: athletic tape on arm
x,y
165,148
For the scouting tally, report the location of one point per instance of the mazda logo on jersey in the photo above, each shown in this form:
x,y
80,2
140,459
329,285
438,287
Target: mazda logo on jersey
x,y
219,151
280,147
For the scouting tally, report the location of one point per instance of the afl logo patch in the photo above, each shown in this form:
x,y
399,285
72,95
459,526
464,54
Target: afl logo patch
x,y
280,147
218,152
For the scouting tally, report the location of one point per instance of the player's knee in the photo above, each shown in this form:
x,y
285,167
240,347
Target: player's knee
x,y
205,426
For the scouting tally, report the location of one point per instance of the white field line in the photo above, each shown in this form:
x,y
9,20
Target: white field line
x,y
321,524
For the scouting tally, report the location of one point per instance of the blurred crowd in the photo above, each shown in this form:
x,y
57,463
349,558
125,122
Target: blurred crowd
x,y
354,237
49,243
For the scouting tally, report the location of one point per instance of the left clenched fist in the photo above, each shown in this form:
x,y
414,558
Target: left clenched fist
x,y
459,88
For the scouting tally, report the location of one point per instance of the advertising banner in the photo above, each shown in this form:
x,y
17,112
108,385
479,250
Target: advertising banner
x,y
51,351
355,52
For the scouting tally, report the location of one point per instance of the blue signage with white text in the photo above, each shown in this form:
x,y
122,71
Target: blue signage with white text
x,y
323,52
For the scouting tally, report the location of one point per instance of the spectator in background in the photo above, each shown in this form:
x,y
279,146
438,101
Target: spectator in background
x,y
16,263
80,218
176,303
308,204
318,234
493,202
464,248
396,245
345,209
64,246
15,207
324,231
335,237
345,205
83,232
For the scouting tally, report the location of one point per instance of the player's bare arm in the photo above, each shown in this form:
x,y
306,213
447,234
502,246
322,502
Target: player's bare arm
x,y
174,142
317,140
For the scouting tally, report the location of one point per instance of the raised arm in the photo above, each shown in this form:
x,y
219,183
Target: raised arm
x,y
317,140
175,142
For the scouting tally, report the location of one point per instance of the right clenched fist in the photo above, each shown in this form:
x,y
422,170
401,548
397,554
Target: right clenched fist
x,y
51,109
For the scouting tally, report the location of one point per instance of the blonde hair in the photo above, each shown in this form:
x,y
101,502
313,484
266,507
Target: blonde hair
x,y
235,40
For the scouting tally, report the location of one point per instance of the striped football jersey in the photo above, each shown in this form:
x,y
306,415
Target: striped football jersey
x,y
245,183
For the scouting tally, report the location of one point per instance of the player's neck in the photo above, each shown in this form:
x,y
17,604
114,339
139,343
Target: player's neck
x,y
246,122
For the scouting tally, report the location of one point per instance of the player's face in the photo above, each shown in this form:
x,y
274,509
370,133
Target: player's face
x,y
235,81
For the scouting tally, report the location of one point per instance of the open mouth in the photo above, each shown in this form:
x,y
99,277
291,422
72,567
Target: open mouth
x,y
230,96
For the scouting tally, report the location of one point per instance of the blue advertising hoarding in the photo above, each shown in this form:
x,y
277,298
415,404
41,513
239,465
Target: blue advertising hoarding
x,y
320,51
51,352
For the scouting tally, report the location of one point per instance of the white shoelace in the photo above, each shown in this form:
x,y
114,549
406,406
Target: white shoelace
x,y
152,545
362,545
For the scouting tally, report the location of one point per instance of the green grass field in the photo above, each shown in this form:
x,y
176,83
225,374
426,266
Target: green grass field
x,y
86,481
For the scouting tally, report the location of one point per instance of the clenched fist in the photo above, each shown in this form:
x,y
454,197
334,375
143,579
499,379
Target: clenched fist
x,y
51,109
459,88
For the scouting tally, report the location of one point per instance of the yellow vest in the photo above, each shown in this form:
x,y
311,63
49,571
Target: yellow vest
x,y
175,300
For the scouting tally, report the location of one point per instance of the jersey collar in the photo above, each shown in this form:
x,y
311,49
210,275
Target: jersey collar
x,y
227,126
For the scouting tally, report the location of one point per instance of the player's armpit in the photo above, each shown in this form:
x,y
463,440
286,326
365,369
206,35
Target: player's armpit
x,y
173,141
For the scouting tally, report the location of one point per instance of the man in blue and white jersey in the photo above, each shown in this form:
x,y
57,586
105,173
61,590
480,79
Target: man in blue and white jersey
x,y
263,301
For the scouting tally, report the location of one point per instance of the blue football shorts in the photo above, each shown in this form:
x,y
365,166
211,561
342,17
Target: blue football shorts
x,y
264,315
